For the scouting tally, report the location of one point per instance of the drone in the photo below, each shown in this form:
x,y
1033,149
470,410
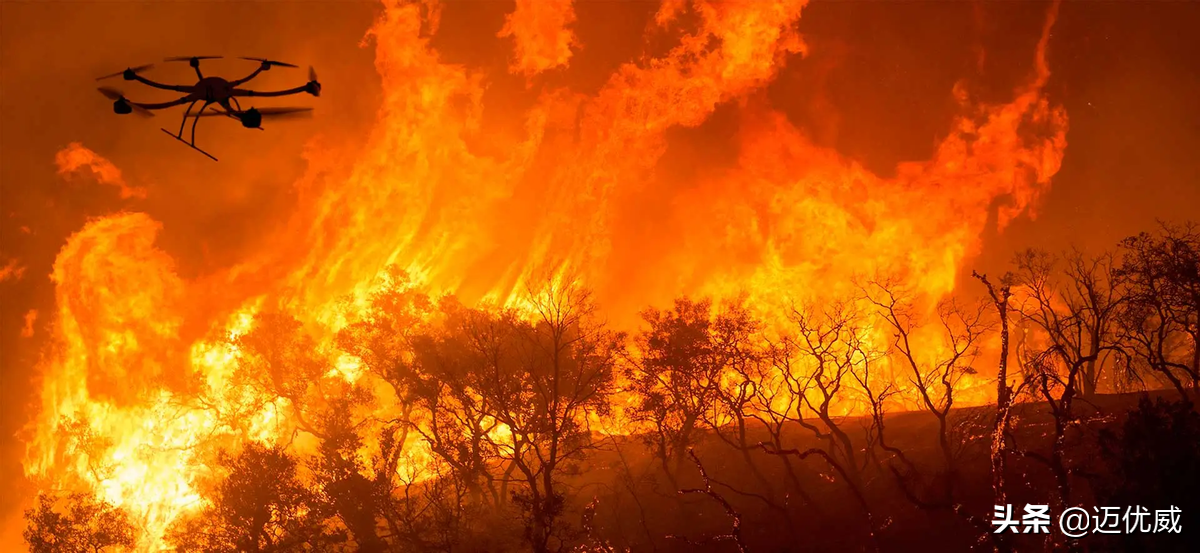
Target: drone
x,y
209,91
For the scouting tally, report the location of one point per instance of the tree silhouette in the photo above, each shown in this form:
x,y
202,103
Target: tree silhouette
x,y
1160,324
454,366
736,337
560,372
1152,460
1074,311
260,506
813,367
1073,302
935,378
429,425
345,489
81,524
1006,396
279,359
676,381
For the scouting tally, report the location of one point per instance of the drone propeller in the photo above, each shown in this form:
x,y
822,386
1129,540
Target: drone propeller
x,y
137,69
275,113
285,112
190,58
111,93
118,96
270,63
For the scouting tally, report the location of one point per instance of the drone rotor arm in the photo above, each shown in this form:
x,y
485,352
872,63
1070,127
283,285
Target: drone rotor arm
x,y
163,105
247,77
148,82
272,93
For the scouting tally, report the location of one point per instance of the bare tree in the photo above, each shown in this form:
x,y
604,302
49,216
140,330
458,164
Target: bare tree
x,y
1005,397
776,405
1073,311
811,365
830,344
735,338
1074,307
1160,322
935,376
560,371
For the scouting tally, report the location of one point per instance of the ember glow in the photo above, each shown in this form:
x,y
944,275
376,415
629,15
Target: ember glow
x,y
133,407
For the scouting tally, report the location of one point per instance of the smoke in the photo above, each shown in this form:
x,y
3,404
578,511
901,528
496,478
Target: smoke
x,y
75,158
11,270
30,318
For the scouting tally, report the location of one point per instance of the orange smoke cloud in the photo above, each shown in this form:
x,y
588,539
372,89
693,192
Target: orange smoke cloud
x,y
30,318
76,158
11,270
668,11
540,33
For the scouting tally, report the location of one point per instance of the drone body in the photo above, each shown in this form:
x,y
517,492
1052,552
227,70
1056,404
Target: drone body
x,y
209,91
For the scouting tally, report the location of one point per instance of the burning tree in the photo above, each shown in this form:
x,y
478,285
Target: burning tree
x,y
281,362
432,356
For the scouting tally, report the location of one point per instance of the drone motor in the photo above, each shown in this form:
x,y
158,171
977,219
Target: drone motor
x,y
251,118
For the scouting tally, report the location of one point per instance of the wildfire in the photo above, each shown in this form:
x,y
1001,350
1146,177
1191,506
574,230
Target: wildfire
x,y
132,404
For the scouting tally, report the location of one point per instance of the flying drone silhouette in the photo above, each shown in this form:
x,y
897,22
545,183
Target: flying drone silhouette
x,y
208,91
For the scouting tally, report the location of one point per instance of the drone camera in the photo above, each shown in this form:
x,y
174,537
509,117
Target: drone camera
x,y
122,107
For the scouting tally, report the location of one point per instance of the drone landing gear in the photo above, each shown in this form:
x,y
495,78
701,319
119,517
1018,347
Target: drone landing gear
x,y
189,145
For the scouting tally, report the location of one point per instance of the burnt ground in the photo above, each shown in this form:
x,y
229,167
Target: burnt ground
x,y
635,506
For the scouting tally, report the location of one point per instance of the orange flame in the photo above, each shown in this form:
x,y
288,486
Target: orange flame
x,y
574,193
541,40
75,158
